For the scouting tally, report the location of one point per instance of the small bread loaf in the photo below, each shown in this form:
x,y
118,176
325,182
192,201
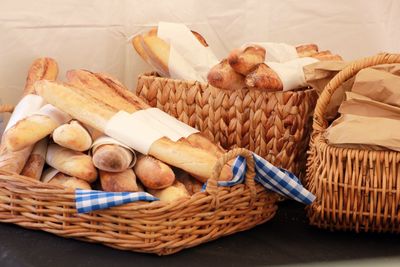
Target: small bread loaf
x,y
69,181
223,76
119,181
174,192
263,77
112,158
245,59
35,163
73,136
153,173
71,162
306,50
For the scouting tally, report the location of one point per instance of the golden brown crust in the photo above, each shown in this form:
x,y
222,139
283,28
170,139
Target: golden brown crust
x,y
69,181
153,173
306,50
264,78
245,59
41,69
34,163
223,76
118,181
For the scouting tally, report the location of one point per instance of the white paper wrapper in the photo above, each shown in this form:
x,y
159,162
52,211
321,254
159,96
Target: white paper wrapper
x,y
197,59
28,105
54,113
291,72
48,174
142,128
106,140
278,52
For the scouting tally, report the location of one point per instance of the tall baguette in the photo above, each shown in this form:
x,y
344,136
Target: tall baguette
x,y
89,110
35,163
119,181
71,162
42,68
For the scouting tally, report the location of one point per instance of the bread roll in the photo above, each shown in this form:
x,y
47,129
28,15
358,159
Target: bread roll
x,y
119,181
73,136
71,162
245,59
35,163
69,181
153,173
263,77
172,193
112,158
223,76
306,50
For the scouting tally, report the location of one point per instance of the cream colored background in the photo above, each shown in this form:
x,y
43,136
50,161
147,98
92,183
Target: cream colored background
x,y
93,34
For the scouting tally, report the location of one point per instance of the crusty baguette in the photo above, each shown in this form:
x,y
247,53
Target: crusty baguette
x,y
327,57
263,77
71,162
112,158
89,110
245,59
191,184
42,68
224,76
174,192
157,51
35,163
306,50
118,181
73,136
153,173
69,181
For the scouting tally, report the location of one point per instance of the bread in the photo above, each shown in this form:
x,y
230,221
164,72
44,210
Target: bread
x,y
224,77
306,50
73,136
33,128
191,184
69,181
172,193
42,68
95,113
327,57
118,181
153,173
263,77
35,163
245,59
112,158
71,162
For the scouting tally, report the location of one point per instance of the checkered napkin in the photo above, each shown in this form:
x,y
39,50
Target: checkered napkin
x,y
273,178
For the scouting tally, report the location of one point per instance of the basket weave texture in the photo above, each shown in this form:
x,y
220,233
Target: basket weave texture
x,y
356,189
157,227
274,125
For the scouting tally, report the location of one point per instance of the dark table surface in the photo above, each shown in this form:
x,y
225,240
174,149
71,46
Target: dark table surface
x,y
285,240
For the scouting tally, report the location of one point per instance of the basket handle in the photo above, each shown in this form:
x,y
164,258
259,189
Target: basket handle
x,y
319,122
6,108
212,183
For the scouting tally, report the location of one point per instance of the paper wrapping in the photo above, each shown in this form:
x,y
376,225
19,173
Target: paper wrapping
x,y
48,174
57,115
277,52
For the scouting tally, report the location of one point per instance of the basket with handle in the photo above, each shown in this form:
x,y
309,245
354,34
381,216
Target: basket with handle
x,y
356,189
274,125
156,227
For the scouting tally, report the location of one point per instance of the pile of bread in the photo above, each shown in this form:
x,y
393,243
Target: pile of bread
x,y
59,149
245,67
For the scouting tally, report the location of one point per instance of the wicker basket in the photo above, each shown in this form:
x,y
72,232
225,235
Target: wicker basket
x,y
274,125
157,227
356,189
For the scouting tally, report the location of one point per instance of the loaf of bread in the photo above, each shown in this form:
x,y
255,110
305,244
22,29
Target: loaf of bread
x,y
112,158
73,136
118,181
245,59
53,176
172,193
191,184
263,77
306,50
153,173
223,76
35,163
71,162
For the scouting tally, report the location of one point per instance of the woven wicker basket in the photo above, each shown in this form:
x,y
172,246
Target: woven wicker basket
x,y
157,227
274,125
356,189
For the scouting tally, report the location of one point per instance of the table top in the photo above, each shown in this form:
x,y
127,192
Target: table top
x,y
285,240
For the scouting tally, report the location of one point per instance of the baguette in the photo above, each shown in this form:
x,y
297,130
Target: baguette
x,y
73,136
71,162
89,110
306,50
263,77
191,184
153,173
69,181
245,59
42,68
112,158
119,181
35,163
172,193
224,77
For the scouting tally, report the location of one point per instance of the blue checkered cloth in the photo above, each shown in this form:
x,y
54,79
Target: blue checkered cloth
x,y
272,178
